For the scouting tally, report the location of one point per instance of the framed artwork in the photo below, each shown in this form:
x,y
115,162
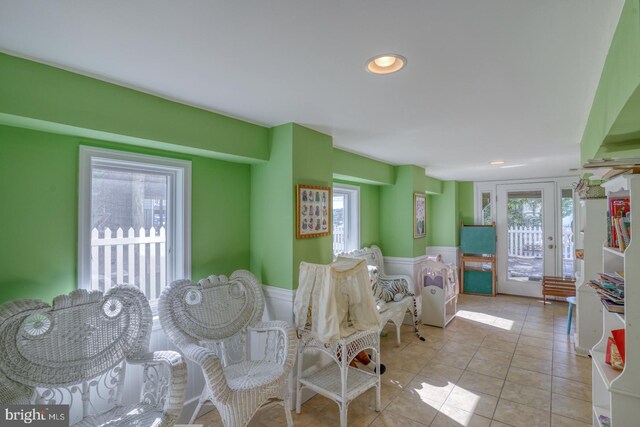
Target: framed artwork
x,y
313,211
419,215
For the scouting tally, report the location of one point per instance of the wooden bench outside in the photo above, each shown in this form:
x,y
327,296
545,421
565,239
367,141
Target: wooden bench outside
x,y
558,287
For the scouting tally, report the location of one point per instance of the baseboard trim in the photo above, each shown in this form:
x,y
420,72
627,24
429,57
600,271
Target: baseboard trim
x,y
404,260
287,295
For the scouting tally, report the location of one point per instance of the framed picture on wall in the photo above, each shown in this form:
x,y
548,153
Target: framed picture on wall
x,y
313,211
419,215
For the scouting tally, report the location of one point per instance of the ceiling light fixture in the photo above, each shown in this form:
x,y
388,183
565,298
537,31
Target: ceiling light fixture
x,y
386,64
497,162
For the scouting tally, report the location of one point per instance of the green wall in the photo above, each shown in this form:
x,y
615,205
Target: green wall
x,y
41,97
312,165
244,177
369,215
298,156
619,80
396,215
443,223
354,168
396,212
272,212
465,202
39,213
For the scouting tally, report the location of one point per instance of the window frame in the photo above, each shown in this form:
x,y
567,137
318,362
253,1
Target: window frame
x,y
481,188
178,207
352,234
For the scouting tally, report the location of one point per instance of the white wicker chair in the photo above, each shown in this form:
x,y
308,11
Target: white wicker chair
x,y
76,352
210,322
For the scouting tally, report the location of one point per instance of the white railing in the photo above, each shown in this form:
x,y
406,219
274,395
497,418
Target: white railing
x,y
528,242
338,240
139,260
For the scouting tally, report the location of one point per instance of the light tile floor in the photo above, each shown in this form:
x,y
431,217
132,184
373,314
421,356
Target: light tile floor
x,y
504,361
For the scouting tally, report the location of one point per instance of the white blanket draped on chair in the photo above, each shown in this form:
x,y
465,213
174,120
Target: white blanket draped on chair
x,y
335,300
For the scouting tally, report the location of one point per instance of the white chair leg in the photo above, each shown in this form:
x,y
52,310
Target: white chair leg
x,y
398,333
196,412
203,398
343,414
287,413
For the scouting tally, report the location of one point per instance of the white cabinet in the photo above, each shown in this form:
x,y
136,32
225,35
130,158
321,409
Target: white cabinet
x,y
439,293
617,394
591,233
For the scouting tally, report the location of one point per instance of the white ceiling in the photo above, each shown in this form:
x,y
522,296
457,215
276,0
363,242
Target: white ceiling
x,y
493,79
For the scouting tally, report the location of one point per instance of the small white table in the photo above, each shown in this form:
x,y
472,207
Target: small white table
x,y
338,381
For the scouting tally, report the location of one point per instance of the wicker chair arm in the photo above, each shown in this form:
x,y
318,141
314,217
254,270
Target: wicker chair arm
x,y
288,335
177,368
212,370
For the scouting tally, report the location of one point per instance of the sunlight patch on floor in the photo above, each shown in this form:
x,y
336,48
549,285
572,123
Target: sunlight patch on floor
x,y
487,319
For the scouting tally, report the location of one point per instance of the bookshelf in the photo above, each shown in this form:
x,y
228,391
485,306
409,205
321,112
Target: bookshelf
x,y
591,225
617,394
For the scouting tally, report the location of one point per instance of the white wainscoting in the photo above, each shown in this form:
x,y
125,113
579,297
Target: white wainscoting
x,y
450,254
195,379
408,267
279,306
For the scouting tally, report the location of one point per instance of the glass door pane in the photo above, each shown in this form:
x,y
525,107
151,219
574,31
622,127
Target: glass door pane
x,y
486,208
568,249
525,241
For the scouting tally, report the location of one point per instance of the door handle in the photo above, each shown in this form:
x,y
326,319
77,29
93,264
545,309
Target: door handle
x,y
551,246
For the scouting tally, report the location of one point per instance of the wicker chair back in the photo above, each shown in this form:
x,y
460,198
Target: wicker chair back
x,y
214,309
83,335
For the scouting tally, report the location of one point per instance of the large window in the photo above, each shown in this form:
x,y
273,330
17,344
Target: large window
x,y
134,213
346,218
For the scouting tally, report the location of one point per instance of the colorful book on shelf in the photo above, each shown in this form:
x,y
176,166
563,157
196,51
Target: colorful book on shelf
x,y
618,208
624,223
618,337
608,291
606,286
620,242
612,307
615,278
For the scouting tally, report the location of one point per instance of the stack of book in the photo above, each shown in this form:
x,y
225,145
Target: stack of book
x,y
609,167
610,287
619,219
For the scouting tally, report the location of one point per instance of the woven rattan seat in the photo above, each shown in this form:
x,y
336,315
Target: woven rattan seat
x,y
212,322
76,351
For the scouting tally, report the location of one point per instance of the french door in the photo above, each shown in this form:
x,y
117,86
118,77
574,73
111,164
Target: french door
x,y
528,238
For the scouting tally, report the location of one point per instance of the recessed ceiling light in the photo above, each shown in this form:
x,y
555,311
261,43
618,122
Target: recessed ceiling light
x,y
497,162
386,64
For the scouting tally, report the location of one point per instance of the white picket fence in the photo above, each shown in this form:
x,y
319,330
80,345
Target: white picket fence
x,y
528,242
139,260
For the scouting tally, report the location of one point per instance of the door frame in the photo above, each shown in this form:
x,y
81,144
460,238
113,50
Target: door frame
x,y
549,247
560,183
